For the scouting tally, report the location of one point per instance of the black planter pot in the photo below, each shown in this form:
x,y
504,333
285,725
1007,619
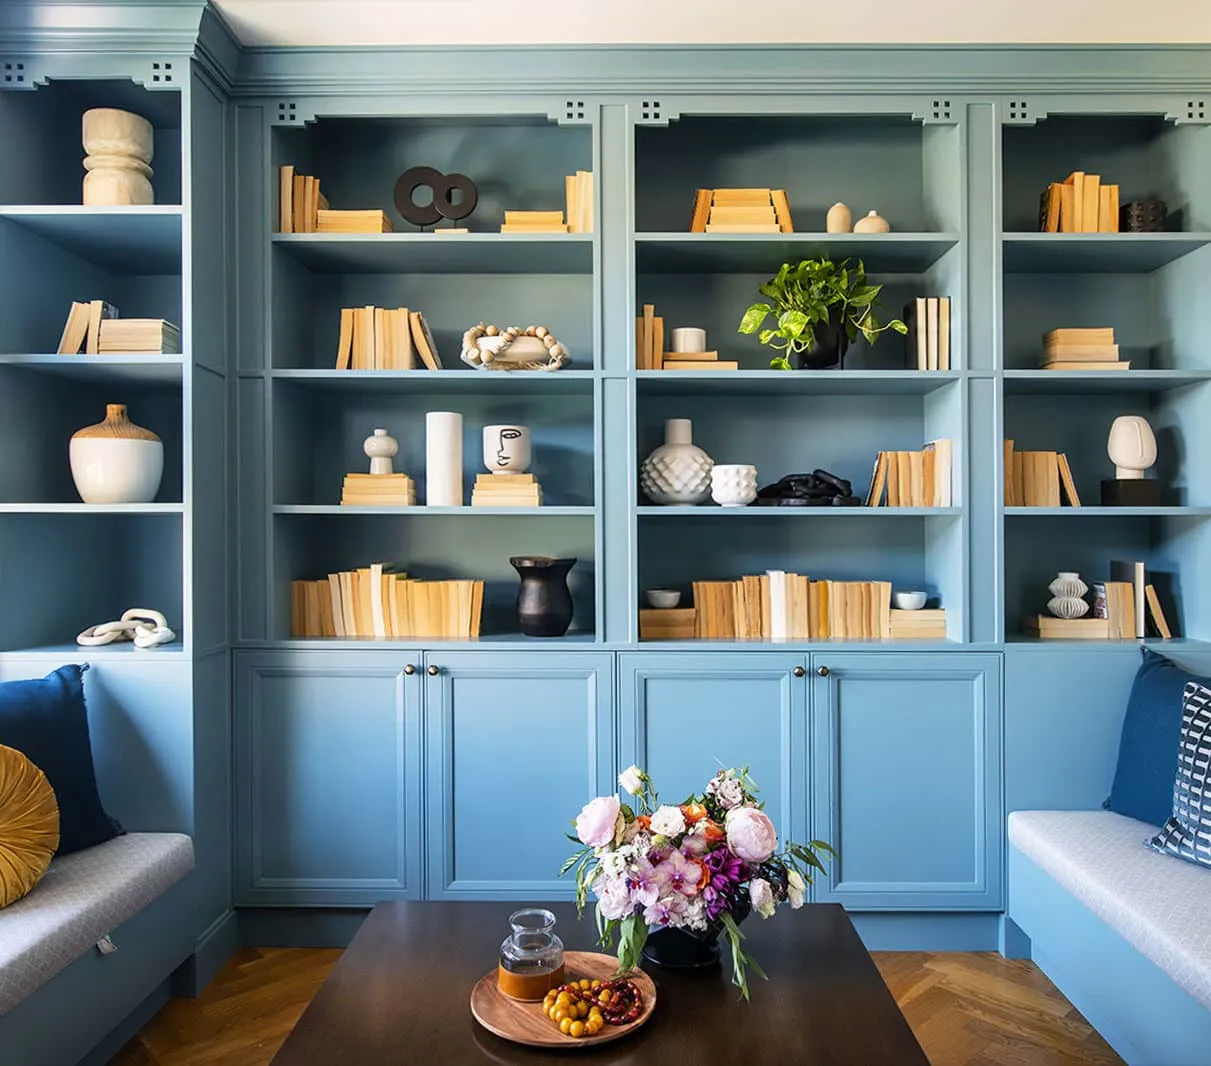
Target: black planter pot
x,y
831,344
544,603
678,950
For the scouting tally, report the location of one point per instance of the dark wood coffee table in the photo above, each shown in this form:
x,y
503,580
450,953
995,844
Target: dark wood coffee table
x,y
399,995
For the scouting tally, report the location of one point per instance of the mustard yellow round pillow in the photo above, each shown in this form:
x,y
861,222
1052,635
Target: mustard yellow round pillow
x,y
29,825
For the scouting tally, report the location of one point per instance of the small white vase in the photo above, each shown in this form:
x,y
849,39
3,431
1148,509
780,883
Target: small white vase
x,y
677,472
116,461
381,448
733,485
1067,592
507,449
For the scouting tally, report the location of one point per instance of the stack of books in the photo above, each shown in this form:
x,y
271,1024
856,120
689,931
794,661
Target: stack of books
x,y
578,193
650,353
299,202
741,211
1079,204
506,490
382,338
913,479
82,330
378,490
1081,349
375,602
925,624
676,623
1123,608
534,222
928,321
141,335
373,221
1034,479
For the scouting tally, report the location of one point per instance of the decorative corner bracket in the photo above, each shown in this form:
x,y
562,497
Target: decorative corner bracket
x,y
16,74
651,111
161,74
572,111
288,113
935,111
1019,111
1191,110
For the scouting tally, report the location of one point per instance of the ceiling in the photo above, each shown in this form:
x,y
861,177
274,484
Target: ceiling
x,y
476,22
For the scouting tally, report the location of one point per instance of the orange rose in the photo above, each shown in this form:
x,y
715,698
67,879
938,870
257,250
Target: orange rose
x,y
644,821
714,833
693,813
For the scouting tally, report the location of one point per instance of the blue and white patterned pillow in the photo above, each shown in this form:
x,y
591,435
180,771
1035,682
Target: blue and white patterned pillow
x,y
1187,833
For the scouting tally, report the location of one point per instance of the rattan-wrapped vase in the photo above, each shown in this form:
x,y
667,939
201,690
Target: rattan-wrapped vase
x,y
1143,216
29,825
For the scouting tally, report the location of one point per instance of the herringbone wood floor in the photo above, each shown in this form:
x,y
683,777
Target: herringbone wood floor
x,y
966,1010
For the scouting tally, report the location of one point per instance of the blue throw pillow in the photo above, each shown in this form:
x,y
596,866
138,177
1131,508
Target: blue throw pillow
x,y
47,720
1147,754
1187,832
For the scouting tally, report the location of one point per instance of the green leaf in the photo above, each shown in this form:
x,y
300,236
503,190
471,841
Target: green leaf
x,y
780,363
767,335
753,317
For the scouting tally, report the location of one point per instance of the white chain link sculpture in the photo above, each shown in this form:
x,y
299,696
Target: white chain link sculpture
x,y
147,628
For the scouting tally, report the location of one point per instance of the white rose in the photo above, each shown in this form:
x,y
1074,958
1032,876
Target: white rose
x,y
614,863
762,896
796,888
631,780
668,822
729,793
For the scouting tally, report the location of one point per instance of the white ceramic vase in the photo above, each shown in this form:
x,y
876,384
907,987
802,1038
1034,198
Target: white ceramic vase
x,y
443,459
1067,596
733,485
381,448
678,472
116,461
507,449
120,146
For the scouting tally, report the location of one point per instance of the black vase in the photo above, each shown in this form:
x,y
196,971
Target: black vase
x,y
544,603
828,350
677,949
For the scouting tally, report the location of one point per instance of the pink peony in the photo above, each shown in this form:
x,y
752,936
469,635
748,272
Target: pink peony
x,y
750,834
613,898
596,823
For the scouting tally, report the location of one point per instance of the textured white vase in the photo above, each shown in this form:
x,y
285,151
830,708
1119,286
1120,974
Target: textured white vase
x,y
443,459
381,448
1067,592
507,449
116,461
733,485
1131,447
678,471
120,147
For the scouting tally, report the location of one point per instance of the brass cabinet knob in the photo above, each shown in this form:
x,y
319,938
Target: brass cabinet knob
x,y
433,671
798,671
822,671
409,669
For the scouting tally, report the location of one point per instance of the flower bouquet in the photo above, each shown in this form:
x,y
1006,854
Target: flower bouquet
x,y
699,866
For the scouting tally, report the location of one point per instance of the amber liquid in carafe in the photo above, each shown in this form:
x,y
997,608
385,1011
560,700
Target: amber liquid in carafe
x,y
528,981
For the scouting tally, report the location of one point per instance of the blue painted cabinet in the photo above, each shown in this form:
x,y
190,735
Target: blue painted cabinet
x,y
516,743
684,715
327,748
906,779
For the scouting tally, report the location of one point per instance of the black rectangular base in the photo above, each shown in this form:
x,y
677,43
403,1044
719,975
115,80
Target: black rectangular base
x,y
1142,493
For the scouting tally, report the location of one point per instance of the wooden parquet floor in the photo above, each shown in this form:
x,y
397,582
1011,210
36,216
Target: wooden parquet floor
x,y
967,1009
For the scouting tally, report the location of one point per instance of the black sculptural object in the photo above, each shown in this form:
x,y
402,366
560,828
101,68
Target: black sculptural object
x,y
817,489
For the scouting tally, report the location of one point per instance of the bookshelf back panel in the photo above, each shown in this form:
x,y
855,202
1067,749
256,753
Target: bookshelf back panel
x,y
319,438
518,163
68,572
436,547
307,309
1144,154
40,412
1038,546
887,163
43,158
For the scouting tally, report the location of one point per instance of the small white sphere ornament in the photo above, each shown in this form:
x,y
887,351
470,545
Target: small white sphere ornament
x,y
381,448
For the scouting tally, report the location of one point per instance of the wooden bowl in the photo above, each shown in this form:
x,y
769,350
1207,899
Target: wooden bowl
x,y
525,1023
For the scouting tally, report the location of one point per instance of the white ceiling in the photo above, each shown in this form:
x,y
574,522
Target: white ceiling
x,y
475,22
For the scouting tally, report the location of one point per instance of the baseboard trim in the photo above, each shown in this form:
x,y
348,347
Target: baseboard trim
x,y
931,931
214,947
126,1030
296,927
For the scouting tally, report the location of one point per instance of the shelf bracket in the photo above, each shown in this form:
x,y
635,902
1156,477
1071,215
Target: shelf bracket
x,y
572,111
1019,111
160,74
15,73
652,111
935,111
288,113
1193,109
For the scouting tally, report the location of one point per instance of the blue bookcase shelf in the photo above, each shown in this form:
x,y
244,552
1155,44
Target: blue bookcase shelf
x,y
128,240
732,253
759,383
1076,383
467,382
108,369
791,513
1097,253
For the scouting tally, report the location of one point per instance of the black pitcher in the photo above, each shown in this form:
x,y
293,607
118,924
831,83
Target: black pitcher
x,y
544,603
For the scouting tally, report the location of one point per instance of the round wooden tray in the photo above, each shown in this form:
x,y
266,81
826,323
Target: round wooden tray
x,y
525,1023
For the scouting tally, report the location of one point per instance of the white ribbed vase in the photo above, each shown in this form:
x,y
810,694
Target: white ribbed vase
x,y
1068,592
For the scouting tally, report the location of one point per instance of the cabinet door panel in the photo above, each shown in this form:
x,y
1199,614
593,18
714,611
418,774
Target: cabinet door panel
x,y
326,749
907,776
686,715
518,743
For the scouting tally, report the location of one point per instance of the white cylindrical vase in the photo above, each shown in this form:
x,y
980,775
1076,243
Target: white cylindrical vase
x,y
443,459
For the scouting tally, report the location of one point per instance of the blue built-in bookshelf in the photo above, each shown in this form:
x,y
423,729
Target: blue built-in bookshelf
x,y
364,770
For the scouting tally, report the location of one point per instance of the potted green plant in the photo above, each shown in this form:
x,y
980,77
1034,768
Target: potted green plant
x,y
819,307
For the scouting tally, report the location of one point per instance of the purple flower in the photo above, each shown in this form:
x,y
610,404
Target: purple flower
x,y
727,871
681,874
646,882
668,910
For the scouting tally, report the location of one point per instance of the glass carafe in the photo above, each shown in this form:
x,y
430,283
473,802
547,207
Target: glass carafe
x,y
531,957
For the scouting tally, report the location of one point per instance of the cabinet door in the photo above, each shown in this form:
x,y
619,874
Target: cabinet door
x,y
907,779
686,715
517,743
327,761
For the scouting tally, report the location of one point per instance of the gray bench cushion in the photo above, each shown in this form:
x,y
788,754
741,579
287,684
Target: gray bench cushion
x,y
1157,903
82,897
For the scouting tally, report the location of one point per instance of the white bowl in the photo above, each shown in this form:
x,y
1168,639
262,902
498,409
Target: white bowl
x,y
908,601
663,599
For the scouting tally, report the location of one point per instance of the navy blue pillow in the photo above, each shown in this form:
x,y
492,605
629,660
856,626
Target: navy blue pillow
x,y
47,720
1147,753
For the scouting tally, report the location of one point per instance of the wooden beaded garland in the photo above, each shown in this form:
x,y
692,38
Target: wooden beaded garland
x,y
489,348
